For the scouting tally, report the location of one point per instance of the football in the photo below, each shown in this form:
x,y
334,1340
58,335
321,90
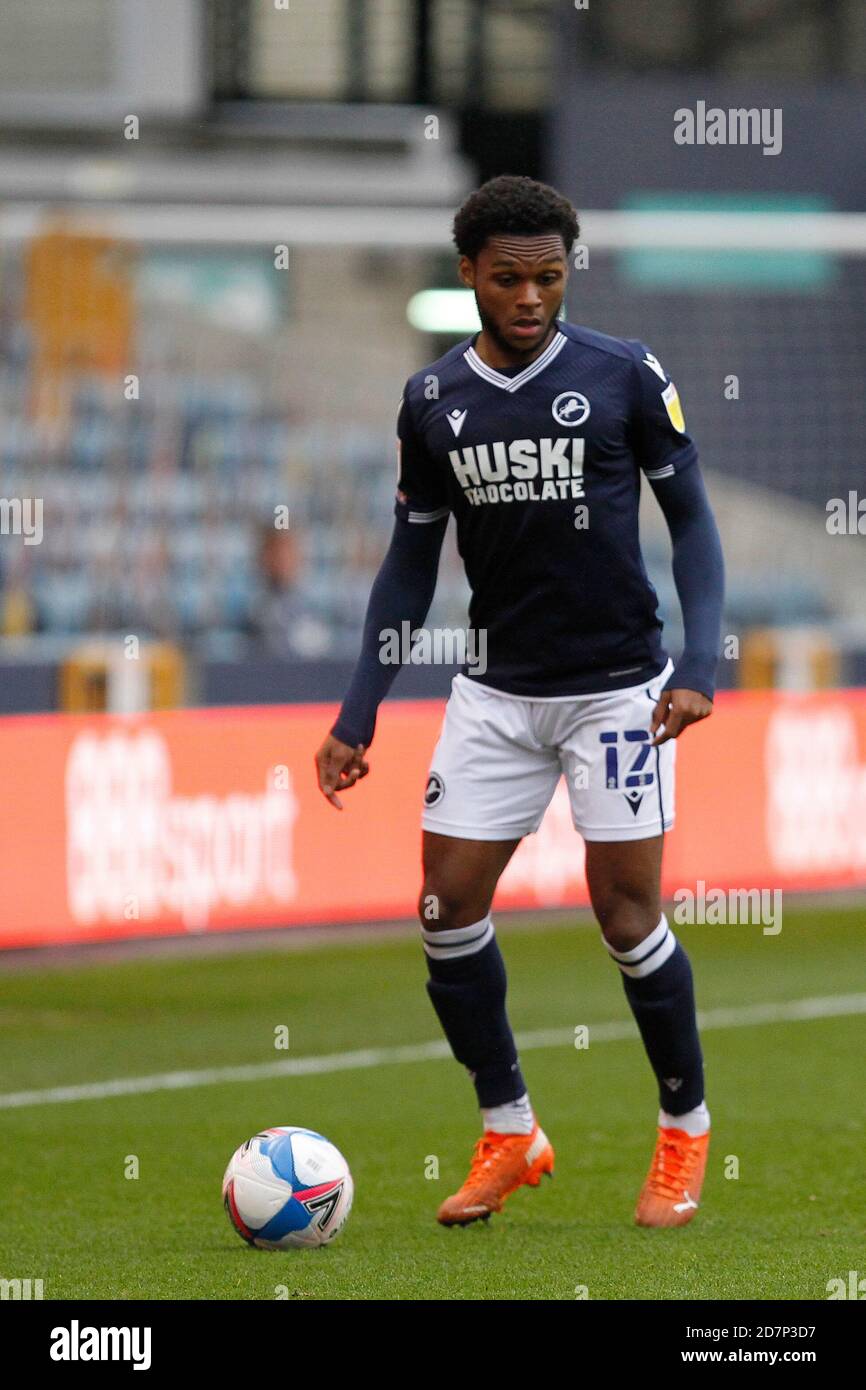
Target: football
x,y
287,1187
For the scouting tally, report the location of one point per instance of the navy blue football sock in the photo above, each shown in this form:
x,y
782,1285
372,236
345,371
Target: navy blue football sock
x,y
467,987
658,983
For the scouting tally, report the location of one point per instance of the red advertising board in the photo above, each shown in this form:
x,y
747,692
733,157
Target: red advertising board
x,y
205,820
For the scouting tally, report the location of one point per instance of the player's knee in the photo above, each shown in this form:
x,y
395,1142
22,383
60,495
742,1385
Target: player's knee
x,y
445,908
627,918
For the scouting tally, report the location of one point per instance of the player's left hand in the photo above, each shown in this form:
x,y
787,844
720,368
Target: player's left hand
x,y
339,767
676,710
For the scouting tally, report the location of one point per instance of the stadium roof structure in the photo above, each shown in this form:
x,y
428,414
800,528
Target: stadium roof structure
x,y
262,174
331,155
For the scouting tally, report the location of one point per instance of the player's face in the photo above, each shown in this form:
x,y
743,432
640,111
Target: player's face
x,y
519,284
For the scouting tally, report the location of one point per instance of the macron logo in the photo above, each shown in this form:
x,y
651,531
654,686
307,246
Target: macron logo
x,y
655,366
455,419
77,1343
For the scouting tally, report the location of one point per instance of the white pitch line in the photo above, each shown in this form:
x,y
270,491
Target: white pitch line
x,y
788,1011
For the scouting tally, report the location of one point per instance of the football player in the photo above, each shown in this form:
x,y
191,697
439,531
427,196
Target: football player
x,y
535,435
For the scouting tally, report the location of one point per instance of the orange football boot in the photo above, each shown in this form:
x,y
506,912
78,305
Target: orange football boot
x,y
500,1164
672,1190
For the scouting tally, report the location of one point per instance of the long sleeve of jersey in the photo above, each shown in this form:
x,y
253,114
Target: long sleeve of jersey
x,y
404,587
402,592
670,464
699,575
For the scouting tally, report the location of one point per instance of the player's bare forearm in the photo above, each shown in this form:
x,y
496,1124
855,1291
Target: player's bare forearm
x,y
339,767
675,711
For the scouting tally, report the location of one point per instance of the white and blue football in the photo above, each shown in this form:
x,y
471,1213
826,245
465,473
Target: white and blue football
x,y
287,1187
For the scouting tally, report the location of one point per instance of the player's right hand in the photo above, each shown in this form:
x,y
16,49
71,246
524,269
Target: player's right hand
x,y
339,767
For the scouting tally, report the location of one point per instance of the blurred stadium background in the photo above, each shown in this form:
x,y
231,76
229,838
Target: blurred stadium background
x,y
225,244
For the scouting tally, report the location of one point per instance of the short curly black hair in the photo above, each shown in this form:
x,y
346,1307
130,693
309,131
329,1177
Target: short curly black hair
x,y
515,205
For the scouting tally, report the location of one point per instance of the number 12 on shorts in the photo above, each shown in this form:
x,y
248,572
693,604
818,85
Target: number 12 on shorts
x,y
634,776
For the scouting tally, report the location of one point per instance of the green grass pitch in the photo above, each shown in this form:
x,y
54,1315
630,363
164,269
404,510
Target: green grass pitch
x,y
786,1100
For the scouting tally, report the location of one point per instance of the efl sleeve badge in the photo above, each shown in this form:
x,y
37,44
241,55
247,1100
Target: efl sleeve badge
x,y
673,407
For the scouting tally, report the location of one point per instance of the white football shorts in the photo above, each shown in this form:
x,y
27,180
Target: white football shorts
x,y
499,758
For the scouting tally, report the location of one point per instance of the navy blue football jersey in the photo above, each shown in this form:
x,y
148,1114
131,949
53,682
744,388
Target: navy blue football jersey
x,y
541,467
